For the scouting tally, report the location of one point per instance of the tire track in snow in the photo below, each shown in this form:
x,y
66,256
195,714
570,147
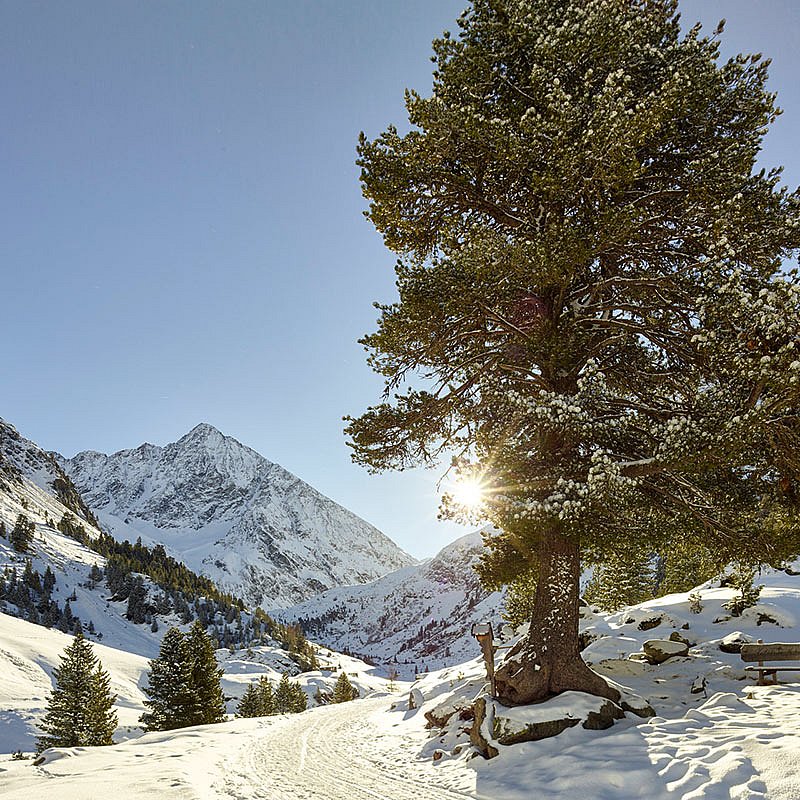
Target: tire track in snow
x,y
331,753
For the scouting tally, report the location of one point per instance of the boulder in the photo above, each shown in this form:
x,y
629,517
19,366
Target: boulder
x,y
659,650
733,642
676,637
642,657
603,717
440,716
649,624
496,724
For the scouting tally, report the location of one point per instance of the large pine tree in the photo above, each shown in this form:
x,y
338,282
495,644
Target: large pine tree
x,y
184,682
80,708
206,674
594,313
172,700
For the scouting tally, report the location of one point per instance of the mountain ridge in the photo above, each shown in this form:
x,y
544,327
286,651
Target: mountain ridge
x,y
253,527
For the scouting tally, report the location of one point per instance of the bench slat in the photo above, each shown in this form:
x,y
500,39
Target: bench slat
x,y
777,651
768,668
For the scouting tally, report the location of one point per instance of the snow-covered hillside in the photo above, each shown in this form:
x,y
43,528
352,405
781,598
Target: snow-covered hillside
x,y
28,489
28,474
255,529
28,654
419,616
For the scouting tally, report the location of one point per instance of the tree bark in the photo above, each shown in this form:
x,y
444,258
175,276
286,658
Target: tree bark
x,y
547,661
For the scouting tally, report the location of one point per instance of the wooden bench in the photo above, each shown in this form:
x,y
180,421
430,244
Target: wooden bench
x,y
779,651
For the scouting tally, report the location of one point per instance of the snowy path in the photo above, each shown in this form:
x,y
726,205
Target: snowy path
x,y
341,752
732,747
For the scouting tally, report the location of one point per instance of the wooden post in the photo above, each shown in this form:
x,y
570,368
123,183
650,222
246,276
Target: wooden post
x,y
483,632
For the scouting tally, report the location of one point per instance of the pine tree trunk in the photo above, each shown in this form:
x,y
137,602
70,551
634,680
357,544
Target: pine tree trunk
x,y
548,661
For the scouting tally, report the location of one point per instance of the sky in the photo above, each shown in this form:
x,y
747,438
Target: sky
x,y
181,227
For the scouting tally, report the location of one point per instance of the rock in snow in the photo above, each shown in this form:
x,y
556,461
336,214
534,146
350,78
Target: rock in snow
x,y
659,650
227,512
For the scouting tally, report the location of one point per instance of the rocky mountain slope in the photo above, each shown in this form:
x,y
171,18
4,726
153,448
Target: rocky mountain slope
x,y
255,529
70,575
419,616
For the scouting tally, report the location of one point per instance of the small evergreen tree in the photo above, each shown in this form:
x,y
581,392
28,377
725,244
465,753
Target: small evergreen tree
x,y
22,534
742,580
268,706
172,700
49,580
687,564
289,696
283,695
95,574
251,704
621,581
344,691
80,708
298,700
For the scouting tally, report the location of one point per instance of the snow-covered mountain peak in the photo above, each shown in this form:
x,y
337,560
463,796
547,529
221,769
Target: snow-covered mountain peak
x,y
203,430
464,544
207,438
253,527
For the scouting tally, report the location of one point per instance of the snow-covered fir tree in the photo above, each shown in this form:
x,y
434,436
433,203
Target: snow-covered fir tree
x,y
80,708
592,293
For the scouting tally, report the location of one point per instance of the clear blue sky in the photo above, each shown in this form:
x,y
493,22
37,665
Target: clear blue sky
x,y
181,237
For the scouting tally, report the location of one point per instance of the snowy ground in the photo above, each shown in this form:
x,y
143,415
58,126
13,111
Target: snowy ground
x,y
730,748
733,747
742,742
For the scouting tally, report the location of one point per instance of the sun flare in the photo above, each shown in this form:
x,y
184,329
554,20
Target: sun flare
x,y
468,493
